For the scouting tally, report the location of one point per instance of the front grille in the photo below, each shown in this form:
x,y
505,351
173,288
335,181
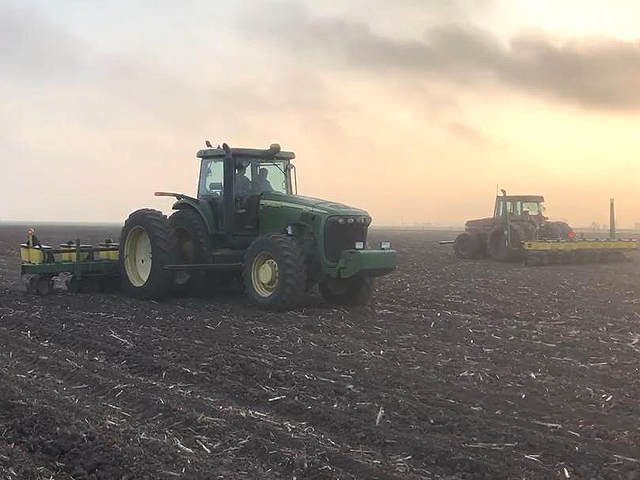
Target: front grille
x,y
342,237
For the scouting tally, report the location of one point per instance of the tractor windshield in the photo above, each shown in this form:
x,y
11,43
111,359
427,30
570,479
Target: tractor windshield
x,y
253,177
514,206
269,177
532,208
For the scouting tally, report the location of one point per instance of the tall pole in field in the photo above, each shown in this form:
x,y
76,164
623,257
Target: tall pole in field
x,y
612,220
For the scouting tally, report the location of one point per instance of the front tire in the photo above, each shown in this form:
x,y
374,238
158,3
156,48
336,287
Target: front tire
x,y
354,291
274,273
147,245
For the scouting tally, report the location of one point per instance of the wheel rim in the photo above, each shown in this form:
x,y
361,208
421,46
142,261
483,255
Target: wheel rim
x,y
137,256
264,275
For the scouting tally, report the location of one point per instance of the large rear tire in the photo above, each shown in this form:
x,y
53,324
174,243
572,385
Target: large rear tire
x,y
498,244
274,272
467,246
147,245
354,291
192,241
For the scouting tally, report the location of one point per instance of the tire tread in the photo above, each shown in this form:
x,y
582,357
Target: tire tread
x,y
163,244
292,271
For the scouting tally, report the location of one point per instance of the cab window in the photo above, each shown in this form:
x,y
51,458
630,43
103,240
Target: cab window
x,y
211,178
504,207
269,177
533,208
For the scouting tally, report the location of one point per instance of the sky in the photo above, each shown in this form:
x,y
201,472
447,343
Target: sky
x,y
415,110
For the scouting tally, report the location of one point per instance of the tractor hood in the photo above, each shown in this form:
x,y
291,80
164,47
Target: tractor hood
x,y
313,205
481,223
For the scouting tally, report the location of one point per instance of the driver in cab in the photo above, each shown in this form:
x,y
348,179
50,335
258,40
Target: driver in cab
x,y
243,184
262,184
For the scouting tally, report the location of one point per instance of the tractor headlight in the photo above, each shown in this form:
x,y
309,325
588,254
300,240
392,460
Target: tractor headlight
x,y
385,245
364,220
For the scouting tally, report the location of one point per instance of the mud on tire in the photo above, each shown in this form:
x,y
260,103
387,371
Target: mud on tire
x,y
147,245
192,246
497,243
274,272
354,291
468,246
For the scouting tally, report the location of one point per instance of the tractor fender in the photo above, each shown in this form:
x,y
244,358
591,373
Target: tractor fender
x,y
203,208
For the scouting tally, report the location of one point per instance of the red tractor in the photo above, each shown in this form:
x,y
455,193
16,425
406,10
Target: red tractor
x,y
516,218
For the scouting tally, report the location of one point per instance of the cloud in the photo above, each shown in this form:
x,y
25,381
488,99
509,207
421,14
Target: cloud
x,y
591,71
40,58
467,132
30,46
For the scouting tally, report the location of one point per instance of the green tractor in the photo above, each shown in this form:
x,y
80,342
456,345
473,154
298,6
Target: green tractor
x,y
248,221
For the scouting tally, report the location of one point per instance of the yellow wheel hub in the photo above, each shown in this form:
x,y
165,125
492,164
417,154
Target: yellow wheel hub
x,y
264,274
137,256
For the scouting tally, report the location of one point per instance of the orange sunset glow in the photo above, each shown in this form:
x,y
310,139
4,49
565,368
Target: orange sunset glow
x,y
414,110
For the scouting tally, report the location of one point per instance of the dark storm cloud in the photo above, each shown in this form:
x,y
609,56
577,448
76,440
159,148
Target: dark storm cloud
x,y
591,71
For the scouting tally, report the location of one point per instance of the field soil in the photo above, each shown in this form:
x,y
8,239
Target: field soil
x,y
456,370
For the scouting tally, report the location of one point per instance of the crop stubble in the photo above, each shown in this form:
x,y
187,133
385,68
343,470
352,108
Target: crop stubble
x,y
456,370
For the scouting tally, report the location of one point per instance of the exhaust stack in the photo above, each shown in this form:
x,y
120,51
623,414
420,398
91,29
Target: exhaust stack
x,y
612,220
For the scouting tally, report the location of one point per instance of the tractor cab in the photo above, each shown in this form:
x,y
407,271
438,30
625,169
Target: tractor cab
x,y
525,207
232,182
252,175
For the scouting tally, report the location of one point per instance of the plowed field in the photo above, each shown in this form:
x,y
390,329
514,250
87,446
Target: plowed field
x,y
457,370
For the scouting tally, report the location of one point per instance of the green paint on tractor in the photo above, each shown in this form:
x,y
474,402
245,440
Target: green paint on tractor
x,y
247,218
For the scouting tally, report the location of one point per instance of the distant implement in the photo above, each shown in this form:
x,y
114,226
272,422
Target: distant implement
x,y
519,231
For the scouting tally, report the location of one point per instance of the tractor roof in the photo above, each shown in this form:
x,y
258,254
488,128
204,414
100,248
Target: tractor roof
x,y
523,198
244,152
